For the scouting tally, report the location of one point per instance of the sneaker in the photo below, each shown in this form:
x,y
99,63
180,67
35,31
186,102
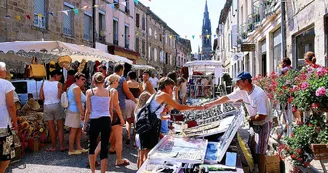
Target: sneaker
x,y
74,152
83,150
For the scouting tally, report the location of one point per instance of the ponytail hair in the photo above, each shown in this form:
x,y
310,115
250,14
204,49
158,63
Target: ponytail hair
x,y
310,56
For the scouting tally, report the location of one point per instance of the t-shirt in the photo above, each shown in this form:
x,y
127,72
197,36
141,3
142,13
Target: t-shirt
x,y
256,103
5,88
154,82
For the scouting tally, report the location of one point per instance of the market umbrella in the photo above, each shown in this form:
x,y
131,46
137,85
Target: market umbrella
x,y
53,49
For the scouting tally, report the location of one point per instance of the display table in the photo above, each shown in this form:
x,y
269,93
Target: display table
x,y
183,154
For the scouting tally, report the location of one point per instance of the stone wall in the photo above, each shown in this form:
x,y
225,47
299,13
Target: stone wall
x,y
302,15
24,30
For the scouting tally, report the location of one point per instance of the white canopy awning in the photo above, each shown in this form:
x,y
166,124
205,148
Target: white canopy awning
x,y
212,63
142,67
206,66
55,49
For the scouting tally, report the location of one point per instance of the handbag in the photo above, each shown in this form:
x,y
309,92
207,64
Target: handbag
x,y
64,100
36,70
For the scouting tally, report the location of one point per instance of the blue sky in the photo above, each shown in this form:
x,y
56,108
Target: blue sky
x,y
185,16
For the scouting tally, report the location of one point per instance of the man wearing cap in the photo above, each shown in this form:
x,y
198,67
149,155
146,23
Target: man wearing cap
x,y
258,107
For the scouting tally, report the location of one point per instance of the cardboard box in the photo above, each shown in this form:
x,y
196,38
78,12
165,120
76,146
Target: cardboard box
x,y
272,164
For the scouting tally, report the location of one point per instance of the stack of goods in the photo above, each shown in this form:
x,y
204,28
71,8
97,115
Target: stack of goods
x,y
210,115
179,149
199,130
32,128
165,167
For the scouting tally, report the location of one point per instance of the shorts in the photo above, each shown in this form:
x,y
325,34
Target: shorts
x,y
123,113
262,137
53,112
73,119
7,146
130,107
149,139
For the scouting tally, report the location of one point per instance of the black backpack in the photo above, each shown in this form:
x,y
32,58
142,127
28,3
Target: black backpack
x,y
146,120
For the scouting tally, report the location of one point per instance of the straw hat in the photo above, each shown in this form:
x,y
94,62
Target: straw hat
x,y
31,105
64,61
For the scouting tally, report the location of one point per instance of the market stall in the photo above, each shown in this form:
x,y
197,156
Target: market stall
x,y
190,152
203,76
141,68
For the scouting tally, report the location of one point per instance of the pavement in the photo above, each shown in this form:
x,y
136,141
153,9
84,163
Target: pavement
x,y
61,162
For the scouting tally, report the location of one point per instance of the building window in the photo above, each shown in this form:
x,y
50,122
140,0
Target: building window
x,y
143,47
155,54
115,32
39,14
160,37
137,20
126,36
127,7
143,23
149,31
171,60
276,49
137,44
161,54
149,52
165,38
304,43
87,27
155,34
68,21
102,26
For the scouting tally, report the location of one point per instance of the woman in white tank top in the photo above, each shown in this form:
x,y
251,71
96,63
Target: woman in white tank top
x,y
50,93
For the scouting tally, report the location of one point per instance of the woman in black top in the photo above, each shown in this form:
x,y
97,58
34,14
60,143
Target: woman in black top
x,y
135,89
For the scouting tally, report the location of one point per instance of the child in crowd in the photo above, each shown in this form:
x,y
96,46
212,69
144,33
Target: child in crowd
x,y
144,96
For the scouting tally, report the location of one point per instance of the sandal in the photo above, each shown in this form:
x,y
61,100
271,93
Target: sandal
x,y
125,163
50,149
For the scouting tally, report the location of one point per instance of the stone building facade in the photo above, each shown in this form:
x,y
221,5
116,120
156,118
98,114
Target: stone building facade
x,y
184,52
307,30
259,23
71,21
155,40
48,25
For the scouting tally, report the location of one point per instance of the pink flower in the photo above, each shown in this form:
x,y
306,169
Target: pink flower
x,y
295,88
305,85
320,91
288,82
321,71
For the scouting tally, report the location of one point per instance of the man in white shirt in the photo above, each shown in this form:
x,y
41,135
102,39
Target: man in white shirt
x,y
8,119
154,81
258,108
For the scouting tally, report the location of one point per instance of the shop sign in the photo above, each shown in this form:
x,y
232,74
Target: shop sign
x,y
248,47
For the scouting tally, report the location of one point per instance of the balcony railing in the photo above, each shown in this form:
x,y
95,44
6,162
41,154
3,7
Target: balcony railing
x,y
270,7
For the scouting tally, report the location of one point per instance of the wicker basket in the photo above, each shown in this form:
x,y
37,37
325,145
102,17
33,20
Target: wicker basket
x,y
272,164
320,151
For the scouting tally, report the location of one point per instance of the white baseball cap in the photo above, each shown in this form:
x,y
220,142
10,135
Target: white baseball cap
x,y
2,66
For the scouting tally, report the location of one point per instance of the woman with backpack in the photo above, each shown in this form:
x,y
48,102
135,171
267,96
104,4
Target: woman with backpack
x,y
157,103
